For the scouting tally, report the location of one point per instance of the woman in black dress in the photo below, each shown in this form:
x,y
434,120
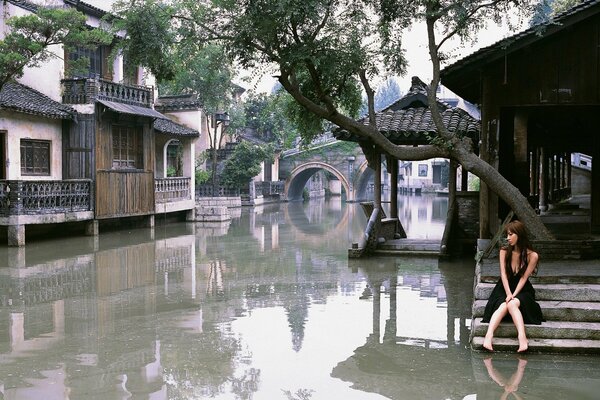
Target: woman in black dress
x,y
514,295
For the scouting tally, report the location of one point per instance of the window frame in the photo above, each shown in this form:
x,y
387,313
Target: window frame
x,y
133,161
33,167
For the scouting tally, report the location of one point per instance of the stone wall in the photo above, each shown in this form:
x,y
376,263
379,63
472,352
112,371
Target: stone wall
x,y
468,216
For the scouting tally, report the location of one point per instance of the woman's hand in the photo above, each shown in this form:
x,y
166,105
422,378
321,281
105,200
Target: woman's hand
x,y
509,298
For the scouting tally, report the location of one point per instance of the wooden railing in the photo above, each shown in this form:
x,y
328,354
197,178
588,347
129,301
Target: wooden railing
x,y
45,197
171,189
88,90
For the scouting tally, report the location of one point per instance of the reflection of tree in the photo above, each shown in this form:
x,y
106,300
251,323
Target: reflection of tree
x,y
301,394
246,385
198,366
402,367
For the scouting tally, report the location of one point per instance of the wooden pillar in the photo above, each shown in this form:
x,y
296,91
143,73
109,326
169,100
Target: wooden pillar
x,y
377,188
464,179
533,167
452,174
543,180
393,164
595,196
569,172
521,167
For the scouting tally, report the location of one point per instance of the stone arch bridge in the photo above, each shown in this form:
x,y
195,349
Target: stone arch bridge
x,y
345,161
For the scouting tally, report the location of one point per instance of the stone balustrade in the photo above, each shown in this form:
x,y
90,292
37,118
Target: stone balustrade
x,y
171,189
19,197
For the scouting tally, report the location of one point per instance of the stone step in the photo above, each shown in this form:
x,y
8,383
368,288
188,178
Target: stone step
x,y
411,245
574,346
547,330
573,311
549,271
556,292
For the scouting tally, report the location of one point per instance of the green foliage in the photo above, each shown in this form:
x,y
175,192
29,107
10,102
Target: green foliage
x,y
30,37
559,6
474,184
161,36
267,116
245,163
201,176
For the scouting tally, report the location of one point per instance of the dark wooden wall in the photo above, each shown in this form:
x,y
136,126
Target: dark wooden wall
x,y
78,144
123,192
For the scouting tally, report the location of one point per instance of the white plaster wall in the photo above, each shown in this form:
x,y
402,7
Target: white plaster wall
x,y
31,127
193,119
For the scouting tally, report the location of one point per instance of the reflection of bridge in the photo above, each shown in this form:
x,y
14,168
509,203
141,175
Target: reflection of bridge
x,y
345,161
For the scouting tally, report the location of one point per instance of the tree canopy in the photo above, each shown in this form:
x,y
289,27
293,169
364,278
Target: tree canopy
x,y
31,39
325,54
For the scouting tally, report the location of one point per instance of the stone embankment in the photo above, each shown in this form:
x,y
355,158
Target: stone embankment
x,y
568,290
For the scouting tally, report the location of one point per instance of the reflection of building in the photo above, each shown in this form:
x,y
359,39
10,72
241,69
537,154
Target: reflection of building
x,y
399,365
77,310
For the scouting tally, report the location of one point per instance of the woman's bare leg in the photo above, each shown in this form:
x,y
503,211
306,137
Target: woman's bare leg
x,y
494,322
515,313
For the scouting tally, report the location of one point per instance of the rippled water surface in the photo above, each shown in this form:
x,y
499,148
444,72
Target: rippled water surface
x,y
267,306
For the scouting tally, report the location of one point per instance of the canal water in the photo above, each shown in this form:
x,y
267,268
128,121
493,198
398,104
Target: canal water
x,y
267,306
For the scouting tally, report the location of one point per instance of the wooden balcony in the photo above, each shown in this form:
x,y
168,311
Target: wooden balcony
x,y
88,90
44,197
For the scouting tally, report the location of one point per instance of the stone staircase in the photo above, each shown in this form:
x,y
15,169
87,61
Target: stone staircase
x,y
568,290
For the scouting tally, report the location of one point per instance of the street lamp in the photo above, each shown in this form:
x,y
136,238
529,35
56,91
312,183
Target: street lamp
x,y
220,118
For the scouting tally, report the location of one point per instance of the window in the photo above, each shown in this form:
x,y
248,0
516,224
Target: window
x,y
174,158
95,62
35,157
127,147
422,169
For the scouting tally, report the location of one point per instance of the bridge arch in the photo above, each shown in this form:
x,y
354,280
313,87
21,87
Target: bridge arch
x,y
295,183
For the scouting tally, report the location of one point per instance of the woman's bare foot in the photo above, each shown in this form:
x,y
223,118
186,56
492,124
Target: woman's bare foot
x,y
523,345
487,343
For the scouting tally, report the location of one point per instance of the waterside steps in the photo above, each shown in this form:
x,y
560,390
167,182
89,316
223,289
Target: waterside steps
x,y
568,290
408,246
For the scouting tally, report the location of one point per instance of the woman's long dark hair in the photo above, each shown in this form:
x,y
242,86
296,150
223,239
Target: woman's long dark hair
x,y
524,246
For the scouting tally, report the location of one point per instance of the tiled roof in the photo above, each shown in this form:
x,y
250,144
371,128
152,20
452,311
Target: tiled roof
x,y
559,22
178,102
408,121
172,128
17,97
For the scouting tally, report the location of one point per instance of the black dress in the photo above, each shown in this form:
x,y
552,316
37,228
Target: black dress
x,y
531,310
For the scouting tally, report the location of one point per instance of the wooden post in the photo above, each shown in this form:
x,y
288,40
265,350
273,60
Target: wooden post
x,y
393,163
377,188
595,196
543,180
464,179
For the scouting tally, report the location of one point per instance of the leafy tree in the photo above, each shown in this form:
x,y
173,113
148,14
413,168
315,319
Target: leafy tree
x,y
267,116
548,8
30,40
326,52
245,163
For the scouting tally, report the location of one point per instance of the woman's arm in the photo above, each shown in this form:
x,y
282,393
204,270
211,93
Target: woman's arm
x,y
503,276
532,262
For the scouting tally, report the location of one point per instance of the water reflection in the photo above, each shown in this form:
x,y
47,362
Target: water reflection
x,y
265,306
